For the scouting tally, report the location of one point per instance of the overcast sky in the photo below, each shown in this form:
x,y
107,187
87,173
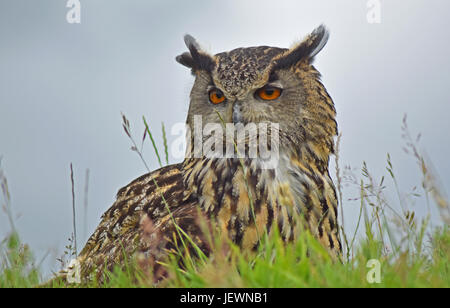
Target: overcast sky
x,y
63,87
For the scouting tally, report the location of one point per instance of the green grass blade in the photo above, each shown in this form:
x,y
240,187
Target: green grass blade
x,y
153,141
166,148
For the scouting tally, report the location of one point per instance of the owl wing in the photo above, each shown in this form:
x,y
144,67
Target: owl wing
x,y
142,220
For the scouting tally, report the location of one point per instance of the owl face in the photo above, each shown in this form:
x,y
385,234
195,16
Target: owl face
x,y
263,85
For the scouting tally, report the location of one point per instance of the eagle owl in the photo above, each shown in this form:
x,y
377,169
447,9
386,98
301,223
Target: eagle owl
x,y
243,197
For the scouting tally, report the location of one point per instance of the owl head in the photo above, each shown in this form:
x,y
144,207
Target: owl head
x,y
265,85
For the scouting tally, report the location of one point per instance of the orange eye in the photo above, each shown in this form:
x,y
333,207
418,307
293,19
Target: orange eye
x,y
216,96
269,93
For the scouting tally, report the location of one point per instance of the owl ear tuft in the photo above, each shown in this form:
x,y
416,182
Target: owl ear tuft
x,y
306,49
196,58
185,59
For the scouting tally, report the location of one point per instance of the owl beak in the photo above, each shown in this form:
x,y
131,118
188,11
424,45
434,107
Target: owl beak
x,y
236,112
228,116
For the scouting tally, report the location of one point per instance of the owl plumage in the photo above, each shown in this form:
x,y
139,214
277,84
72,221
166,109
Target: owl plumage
x,y
243,197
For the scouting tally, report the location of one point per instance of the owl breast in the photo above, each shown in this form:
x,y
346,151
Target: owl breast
x,y
248,199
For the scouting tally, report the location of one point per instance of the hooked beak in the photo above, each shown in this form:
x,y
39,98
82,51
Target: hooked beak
x,y
236,112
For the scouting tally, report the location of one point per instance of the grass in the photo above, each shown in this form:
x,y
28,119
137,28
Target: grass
x,y
390,246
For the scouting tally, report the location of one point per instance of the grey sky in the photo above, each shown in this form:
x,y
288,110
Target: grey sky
x,y
63,86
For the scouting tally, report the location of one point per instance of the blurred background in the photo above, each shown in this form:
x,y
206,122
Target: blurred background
x,y
63,87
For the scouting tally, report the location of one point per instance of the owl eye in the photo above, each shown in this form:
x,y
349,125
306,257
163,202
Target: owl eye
x,y
216,96
268,93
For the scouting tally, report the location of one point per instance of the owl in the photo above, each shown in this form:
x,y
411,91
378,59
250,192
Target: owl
x,y
242,196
